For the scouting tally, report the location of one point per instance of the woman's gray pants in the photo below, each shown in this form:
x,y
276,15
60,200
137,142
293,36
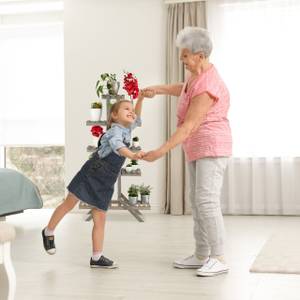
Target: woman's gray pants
x,y
206,180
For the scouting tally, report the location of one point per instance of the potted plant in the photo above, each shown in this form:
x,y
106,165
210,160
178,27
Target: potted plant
x,y
134,165
128,168
135,141
145,191
96,111
133,192
107,85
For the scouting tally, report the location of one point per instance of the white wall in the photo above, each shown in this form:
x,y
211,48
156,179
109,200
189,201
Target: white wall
x,y
112,36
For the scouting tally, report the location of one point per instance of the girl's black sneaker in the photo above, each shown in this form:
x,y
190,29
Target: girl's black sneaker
x,y
48,242
103,262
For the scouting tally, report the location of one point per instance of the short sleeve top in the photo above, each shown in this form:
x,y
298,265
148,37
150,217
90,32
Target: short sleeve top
x,y
213,136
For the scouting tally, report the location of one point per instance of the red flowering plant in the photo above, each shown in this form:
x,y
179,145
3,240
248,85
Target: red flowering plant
x,y
131,85
97,130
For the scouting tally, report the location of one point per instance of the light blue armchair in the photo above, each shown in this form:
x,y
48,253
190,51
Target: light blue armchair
x,y
17,193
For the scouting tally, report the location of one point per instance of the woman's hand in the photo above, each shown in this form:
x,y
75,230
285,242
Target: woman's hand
x,y
153,155
148,92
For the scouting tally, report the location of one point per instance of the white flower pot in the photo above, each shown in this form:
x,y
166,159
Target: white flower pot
x,y
132,200
96,114
128,169
145,199
95,141
136,144
135,167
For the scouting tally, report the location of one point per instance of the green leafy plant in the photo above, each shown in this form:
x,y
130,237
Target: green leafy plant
x,y
136,139
96,105
107,84
129,165
134,162
145,189
133,190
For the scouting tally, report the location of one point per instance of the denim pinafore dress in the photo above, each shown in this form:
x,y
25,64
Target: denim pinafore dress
x,y
94,183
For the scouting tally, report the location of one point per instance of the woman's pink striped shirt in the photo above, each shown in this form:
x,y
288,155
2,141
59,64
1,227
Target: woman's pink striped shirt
x,y
213,137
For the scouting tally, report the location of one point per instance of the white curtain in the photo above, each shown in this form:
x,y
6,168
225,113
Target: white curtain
x,y
262,186
31,73
256,50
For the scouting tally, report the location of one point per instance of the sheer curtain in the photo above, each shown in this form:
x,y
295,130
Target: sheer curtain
x,y
256,50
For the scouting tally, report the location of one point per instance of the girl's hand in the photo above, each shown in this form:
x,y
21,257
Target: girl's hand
x,y
141,95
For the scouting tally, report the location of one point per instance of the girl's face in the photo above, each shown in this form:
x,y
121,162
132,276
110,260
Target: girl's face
x,y
190,60
125,114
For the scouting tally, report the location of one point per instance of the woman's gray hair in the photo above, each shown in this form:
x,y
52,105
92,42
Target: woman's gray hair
x,y
196,39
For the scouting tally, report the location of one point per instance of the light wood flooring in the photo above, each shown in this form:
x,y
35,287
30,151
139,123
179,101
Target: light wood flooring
x,y
144,252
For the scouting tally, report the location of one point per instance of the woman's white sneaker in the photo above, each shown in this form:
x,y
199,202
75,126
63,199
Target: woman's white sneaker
x,y
213,267
190,262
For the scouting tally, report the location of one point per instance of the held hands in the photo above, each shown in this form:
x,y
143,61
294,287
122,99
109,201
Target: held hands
x,y
148,92
149,156
153,155
138,155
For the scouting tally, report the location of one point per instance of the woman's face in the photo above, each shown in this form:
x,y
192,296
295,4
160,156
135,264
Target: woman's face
x,y
191,61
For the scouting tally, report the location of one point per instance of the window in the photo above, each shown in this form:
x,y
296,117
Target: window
x,y
256,50
31,76
32,89
32,92
42,165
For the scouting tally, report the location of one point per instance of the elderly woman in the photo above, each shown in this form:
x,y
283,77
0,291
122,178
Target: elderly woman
x,y
204,131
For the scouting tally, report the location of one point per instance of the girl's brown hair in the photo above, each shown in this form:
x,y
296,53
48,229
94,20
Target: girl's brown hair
x,y
114,110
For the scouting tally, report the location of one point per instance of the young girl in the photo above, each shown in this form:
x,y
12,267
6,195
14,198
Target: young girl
x,y
94,183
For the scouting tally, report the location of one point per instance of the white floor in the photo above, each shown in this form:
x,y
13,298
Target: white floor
x,y
145,252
